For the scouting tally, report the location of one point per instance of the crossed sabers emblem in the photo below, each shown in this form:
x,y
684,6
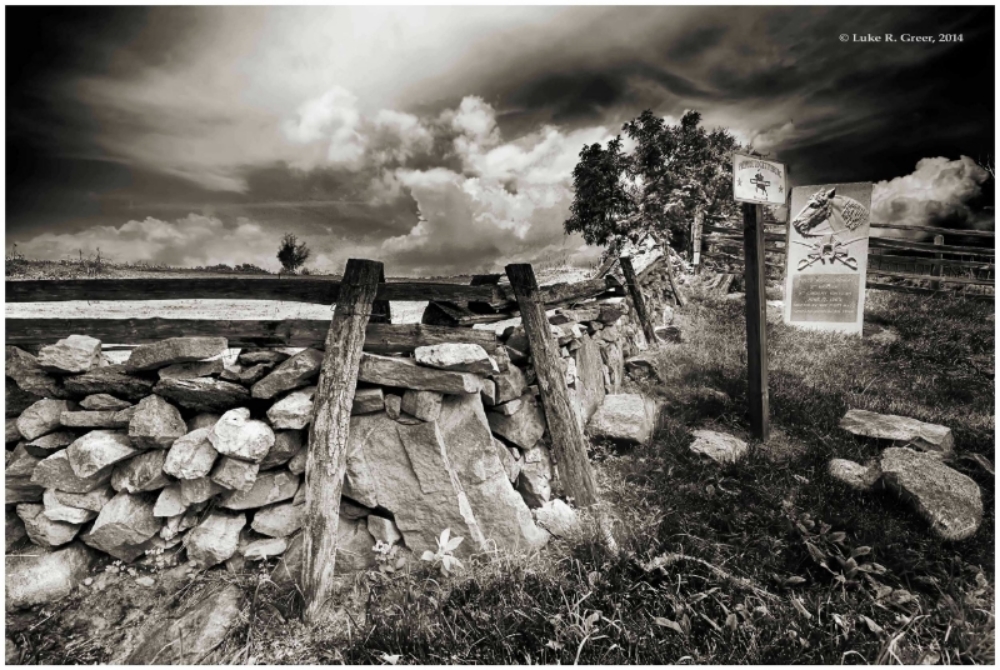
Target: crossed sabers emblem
x,y
828,248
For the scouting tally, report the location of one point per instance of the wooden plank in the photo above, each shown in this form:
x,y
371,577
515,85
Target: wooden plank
x,y
318,290
380,338
932,229
756,306
886,243
569,445
635,292
326,463
735,233
933,278
885,255
926,291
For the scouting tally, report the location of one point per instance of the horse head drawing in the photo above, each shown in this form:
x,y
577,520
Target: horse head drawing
x,y
827,213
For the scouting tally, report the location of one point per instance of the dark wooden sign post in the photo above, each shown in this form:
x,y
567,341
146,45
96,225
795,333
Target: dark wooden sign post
x,y
756,310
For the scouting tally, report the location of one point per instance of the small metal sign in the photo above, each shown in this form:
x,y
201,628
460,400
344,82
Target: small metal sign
x,y
758,181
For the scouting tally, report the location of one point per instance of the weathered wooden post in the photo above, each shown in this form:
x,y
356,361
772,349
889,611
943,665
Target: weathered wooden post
x,y
327,459
568,442
756,306
937,268
632,282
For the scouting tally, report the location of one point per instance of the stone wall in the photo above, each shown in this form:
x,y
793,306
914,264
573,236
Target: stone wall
x,y
197,452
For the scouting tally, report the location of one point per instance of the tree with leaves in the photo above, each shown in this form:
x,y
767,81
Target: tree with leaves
x,y
292,253
674,174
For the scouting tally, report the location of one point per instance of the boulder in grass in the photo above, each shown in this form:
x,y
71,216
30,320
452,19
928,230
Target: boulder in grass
x,y
557,517
191,456
235,474
902,430
41,418
190,638
260,550
858,477
293,373
424,405
950,502
97,450
287,443
194,370
141,473
267,489
42,530
103,402
176,350
195,491
459,357
56,472
239,436
367,401
523,427
624,419
46,577
156,424
215,539
202,394
720,447
72,355
113,379
405,373
294,411
279,520
56,511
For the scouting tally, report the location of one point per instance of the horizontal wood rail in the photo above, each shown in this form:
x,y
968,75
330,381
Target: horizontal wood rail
x,y
380,338
927,291
932,229
983,266
886,243
940,278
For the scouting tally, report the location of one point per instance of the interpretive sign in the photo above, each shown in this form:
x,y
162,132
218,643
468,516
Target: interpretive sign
x,y
827,257
758,181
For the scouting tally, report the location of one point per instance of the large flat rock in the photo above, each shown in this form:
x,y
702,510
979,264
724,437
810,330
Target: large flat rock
x,y
902,430
202,394
215,539
156,424
191,456
279,520
93,452
56,472
103,402
28,375
720,447
294,411
268,488
624,419
458,357
291,374
141,473
74,354
123,525
55,510
45,577
176,350
950,502
42,530
524,427
405,373
42,417
113,379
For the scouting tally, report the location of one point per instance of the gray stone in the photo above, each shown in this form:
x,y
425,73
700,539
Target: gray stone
x,y
458,357
406,373
203,420
511,463
202,394
72,355
524,427
610,313
22,463
950,502
489,392
534,482
294,411
234,474
588,393
625,419
41,418
269,356
293,373
900,429
287,443
176,350
424,405
156,424
95,419
279,520
11,433
56,511
384,530
46,577
113,379
510,384
14,530
254,373
557,518
98,449
348,508
189,639
93,501
298,463
393,405
210,368
858,477
56,472
367,401
191,456
259,550
123,524
170,502
239,436
103,402
141,473
268,488
720,447
215,539
24,369
20,490
194,491
42,530
509,408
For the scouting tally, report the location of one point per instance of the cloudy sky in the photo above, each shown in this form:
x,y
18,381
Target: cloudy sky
x,y
443,140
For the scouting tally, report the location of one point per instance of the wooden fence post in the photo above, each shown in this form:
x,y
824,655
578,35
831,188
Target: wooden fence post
x,y
674,288
937,269
327,458
632,282
568,442
756,306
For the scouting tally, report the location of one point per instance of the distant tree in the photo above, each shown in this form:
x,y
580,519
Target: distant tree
x,y
674,173
292,253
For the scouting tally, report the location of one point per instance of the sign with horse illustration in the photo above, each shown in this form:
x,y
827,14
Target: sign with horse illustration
x,y
827,257
758,181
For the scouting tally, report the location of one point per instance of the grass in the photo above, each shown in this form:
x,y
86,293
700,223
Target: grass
x,y
719,565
